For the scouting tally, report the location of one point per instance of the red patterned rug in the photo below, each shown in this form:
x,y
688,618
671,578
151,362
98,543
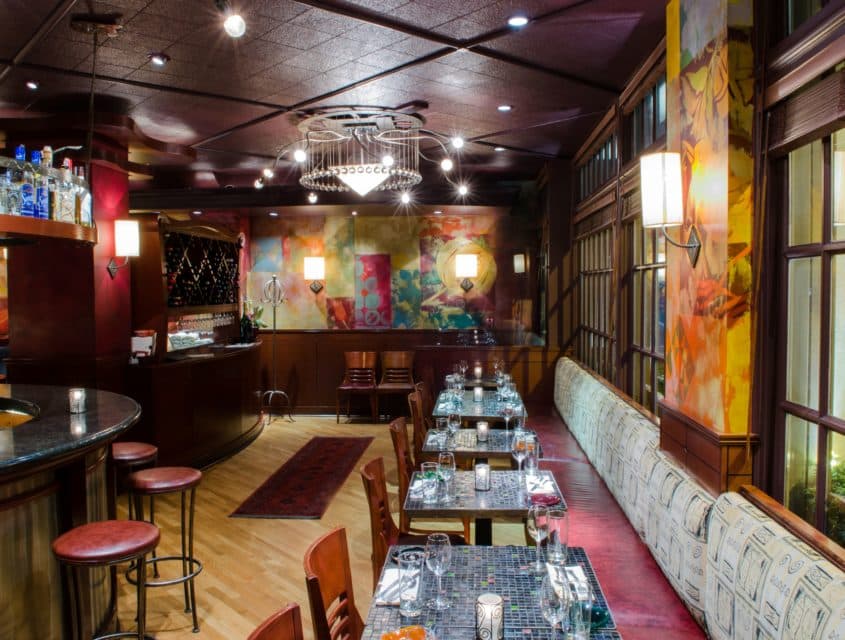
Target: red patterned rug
x,y
304,485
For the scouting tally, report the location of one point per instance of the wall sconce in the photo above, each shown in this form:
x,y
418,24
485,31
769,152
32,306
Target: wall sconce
x,y
126,244
519,263
662,200
466,267
315,270
838,205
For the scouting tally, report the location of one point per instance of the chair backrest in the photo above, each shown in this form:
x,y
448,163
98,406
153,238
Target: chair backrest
x,y
420,428
382,527
360,367
285,624
397,367
404,465
328,579
426,404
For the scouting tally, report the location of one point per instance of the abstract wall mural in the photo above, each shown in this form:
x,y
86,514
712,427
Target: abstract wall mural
x,y
381,271
710,79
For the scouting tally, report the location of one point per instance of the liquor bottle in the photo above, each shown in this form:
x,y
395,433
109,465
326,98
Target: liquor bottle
x,y
12,202
26,184
83,200
41,204
247,332
65,194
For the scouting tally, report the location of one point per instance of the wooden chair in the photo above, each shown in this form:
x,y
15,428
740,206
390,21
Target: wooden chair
x,y
382,526
285,624
404,467
328,580
397,373
420,427
359,378
426,404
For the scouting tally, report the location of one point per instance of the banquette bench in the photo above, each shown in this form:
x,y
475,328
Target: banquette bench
x,y
741,574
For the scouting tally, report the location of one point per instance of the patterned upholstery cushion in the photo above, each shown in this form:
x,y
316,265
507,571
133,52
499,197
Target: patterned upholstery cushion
x,y
676,530
762,582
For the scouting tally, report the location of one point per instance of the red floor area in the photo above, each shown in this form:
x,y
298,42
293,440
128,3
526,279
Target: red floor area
x,y
643,602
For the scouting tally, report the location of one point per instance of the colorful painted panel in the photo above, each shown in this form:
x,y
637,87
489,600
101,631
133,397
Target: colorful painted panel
x,y
372,292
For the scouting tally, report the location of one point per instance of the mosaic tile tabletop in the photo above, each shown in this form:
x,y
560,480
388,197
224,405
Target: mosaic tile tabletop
x,y
508,496
488,409
474,570
465,444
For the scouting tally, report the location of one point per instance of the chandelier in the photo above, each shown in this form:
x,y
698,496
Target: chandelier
x,y
362,150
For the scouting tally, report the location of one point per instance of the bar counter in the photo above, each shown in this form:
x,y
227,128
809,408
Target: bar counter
x,y
52,477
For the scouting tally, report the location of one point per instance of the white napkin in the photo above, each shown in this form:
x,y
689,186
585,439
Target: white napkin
x,y
539,484
387,592
574,576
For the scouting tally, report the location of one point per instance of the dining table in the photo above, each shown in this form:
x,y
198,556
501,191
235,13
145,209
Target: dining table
x,y
466,446
473,570
510,495
490,407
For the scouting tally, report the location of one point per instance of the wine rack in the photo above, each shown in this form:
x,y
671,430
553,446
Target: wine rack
x,y
200,271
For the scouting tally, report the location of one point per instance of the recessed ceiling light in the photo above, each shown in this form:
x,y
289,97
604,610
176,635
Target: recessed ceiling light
x,y
234,25
32,85
273,214
267,172
457,142
504,108
312,198
518,21
158,58
354,213
463,190
197,212
498,148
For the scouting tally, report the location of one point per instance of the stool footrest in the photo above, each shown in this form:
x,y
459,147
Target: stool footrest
x,y
195,565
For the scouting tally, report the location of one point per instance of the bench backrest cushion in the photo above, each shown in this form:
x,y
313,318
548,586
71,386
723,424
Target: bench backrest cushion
x,y
763,582
676,530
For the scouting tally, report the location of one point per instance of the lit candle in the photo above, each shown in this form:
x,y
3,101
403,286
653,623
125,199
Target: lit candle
x,y
477,394
482,430
76,400
482,477
478,370
489,620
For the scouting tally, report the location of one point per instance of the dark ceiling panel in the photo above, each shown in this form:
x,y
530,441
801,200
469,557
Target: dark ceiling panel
x,y
21,19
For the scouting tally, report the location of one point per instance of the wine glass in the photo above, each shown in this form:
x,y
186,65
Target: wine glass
x,y
507,413
446,470
519,450
438,555
538,529
554,604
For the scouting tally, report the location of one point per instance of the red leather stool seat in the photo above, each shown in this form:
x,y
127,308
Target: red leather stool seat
x,y
133,453
164,480
106,542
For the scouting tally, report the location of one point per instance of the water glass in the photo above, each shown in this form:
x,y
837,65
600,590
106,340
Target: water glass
x,y
581,612
429,482
454,423
410,574
554,604
446,471
441,430
531,455
557,548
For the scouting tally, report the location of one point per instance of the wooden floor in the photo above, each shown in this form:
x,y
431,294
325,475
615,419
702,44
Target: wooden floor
x,y
253,566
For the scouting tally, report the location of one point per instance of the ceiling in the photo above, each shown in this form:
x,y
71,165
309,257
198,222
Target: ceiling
x,y
231,103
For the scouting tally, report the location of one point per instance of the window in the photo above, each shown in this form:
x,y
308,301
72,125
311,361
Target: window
x,y
594,253
645,251
646,123
600,168
799,11
812,400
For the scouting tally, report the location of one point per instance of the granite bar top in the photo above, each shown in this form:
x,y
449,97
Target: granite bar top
x,y
56,432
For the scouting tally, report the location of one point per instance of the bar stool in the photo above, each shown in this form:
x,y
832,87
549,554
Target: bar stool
x,y
128,456
106,543
158,481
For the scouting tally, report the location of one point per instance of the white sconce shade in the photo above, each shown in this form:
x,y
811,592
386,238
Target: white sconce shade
x,y
466,265
660,186
315,268
519,263
126,240
838,204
